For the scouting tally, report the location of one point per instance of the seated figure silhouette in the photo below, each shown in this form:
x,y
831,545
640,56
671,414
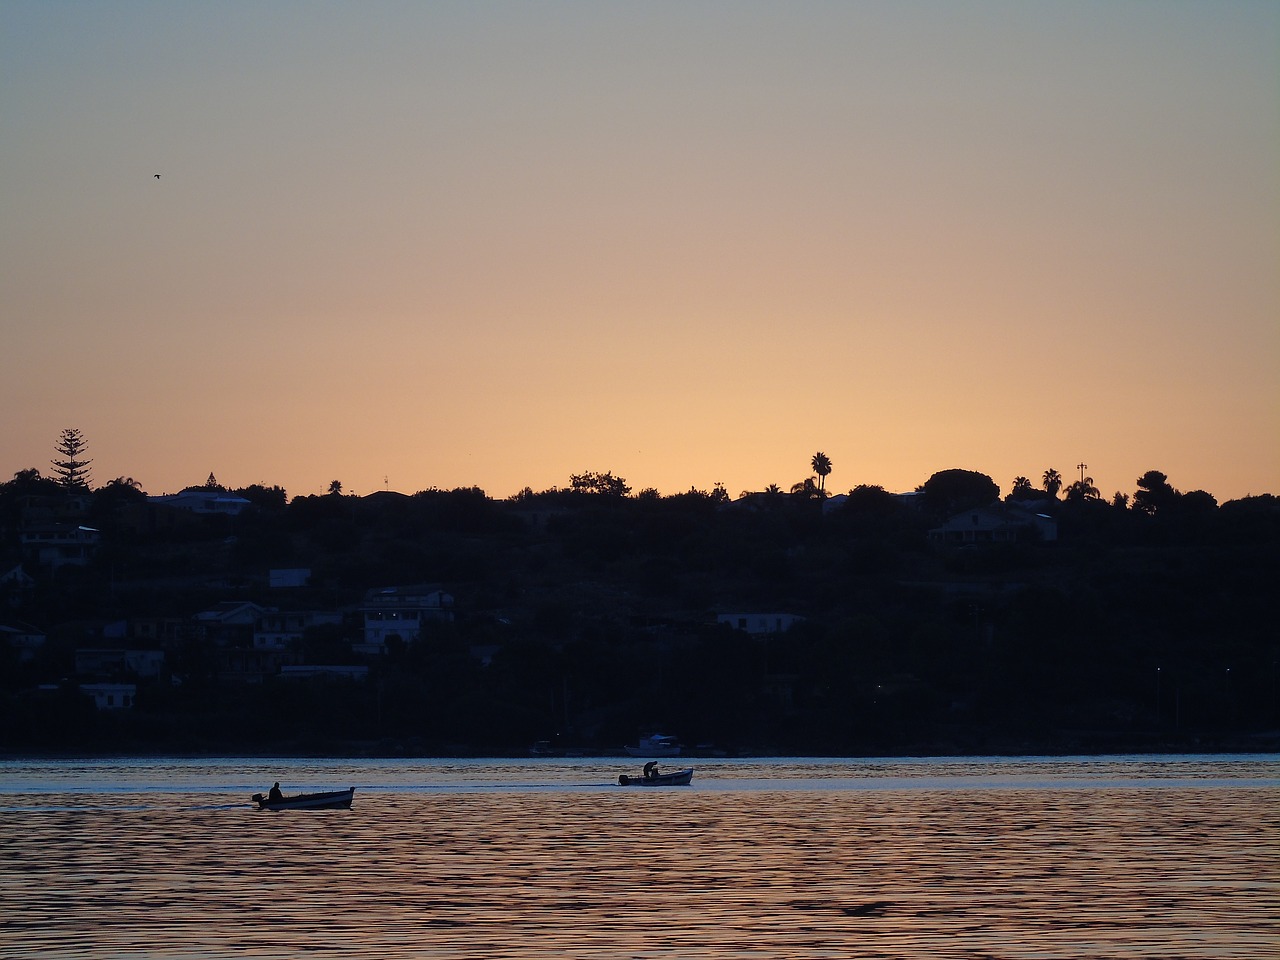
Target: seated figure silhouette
x,y
274,793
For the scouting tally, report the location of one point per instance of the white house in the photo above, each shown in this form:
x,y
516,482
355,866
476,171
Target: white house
x,y
759,624
205,502
118,663
60,544
400,612
997,523
338,671
111,696
230,622
17,578
279,630
25,642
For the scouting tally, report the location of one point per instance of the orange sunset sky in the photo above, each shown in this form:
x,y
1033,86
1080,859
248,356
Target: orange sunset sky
x,y
440,244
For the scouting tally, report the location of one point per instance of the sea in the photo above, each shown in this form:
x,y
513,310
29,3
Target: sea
x,y
979,858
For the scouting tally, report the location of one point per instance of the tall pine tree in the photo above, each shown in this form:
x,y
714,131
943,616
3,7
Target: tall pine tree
x,y
72,471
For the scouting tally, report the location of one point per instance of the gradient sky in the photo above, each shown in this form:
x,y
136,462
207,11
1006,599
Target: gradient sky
x,y
415,245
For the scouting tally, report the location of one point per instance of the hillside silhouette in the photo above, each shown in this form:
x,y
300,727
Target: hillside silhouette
x,y
580,617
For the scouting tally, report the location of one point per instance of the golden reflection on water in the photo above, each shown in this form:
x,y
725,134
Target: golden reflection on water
x,y
1023,873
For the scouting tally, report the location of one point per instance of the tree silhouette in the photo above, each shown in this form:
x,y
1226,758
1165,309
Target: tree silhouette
x,y
1154,494
1083,489
821,464
335,488
601,483
1021,488
1052,482
806,488
72,471
950,491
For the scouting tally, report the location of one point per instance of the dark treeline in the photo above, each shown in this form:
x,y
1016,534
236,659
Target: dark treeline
x,y
582,616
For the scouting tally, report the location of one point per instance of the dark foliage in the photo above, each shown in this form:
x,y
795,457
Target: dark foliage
x,y
582,616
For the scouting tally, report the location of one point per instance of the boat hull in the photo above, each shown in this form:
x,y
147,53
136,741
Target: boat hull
x,y
680,778
654,751
657,745
333,800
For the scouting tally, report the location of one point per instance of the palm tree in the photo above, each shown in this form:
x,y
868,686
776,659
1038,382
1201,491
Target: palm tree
x,y
1021,487
821,464
1083,489
1052,482
805,488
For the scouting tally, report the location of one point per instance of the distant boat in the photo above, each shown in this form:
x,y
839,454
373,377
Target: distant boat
x,y
655,745
333,800
680,778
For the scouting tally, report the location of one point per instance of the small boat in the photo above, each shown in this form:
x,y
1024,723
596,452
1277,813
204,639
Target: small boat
x,y
333,800
679,778
655,745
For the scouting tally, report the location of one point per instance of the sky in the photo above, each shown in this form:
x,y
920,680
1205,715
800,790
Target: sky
x,y
414,245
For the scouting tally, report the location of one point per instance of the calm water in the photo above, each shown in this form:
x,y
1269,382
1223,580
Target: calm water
x,y
978,858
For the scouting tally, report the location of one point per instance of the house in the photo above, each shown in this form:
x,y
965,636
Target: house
x,y
246,665
277,630
116,663
287,578
400,612
111,696
15,585
336,671
25,641
759,624
230,623
211,503
38,510
17,579
996,523
161,631
56,545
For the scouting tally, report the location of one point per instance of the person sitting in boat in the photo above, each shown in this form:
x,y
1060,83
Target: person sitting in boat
x,y
274,793
651,769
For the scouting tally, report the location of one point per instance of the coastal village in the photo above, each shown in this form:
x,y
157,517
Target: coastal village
x,y
945,618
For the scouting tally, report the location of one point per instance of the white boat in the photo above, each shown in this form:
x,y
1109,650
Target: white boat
x,y
655,745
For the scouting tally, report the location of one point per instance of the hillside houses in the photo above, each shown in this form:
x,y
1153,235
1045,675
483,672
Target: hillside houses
x,y
400,612
1006,522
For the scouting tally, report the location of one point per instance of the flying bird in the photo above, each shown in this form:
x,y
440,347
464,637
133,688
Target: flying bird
x,y
157,176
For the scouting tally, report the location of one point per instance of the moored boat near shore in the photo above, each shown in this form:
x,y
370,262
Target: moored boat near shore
x,y
655,745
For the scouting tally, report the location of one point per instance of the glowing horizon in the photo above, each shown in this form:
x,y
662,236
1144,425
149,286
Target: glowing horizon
x,y
455,245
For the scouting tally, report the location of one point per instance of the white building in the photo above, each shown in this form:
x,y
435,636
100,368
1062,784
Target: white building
x,y
111,696
997,523
25,642
280,630
60,544
759,624
205,502
400,612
